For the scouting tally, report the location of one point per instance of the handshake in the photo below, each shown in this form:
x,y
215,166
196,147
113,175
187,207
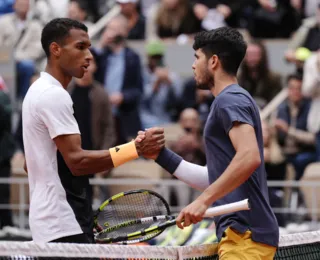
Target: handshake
x,y
149,143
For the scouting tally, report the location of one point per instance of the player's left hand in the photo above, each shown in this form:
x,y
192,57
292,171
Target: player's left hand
x,y
191,214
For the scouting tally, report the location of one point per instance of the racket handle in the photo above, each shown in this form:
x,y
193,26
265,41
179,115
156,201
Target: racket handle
x,y
228,208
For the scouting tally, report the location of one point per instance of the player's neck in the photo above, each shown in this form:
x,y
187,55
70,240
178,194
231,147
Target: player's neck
x,y
58,75
220,83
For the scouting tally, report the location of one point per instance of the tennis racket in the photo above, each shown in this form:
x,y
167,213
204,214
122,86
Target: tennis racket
x,y
133,228
121,213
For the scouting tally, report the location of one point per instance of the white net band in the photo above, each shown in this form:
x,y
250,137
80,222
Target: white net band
x,y
103,251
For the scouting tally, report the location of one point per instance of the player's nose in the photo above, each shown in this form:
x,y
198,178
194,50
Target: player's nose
x,y
89,55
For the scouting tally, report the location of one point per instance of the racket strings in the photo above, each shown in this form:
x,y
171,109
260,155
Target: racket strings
x,y
128,208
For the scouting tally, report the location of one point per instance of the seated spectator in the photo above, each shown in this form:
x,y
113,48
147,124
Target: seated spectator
x,y
190,146
199,99
136,22
208,10
256,77
291,124
311,88
309,7
275,168
42,11
272,18
307,36
119,71
7,149
23,36
162,89
171,18
78,10
305,8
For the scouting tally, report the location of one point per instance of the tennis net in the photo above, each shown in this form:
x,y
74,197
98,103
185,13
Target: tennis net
x,y
302,246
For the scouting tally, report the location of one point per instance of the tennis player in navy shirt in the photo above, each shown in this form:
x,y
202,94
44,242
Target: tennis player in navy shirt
x,y
234,150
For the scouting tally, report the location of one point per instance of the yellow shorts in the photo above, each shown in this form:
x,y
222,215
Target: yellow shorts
x,y
241,247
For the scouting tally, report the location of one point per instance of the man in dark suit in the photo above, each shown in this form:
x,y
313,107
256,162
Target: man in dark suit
x,y
119,71
7,149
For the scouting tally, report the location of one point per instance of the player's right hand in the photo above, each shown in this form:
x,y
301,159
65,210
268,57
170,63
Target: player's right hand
x,y
149,143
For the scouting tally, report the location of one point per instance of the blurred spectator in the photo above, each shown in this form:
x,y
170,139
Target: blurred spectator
x,y
199,99
275,167
7,149
306,8
24,36
136,22
171,18
229,10
42,11
78,10
92,110
145,5
256,77
119,71
307,36
272,18
162,89
311,88
291,124
6,6
309,7
190,146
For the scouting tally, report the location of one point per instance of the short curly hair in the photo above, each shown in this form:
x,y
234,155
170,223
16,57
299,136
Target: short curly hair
x,y
227,43
57,30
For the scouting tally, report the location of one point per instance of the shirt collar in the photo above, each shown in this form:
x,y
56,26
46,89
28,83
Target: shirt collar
x,y
50,78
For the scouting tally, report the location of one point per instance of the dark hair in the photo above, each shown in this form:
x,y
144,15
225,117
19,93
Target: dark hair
x,y
57,30
227,43
295,76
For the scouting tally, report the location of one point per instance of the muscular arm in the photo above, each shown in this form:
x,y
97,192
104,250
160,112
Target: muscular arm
x,y
242,166
83,162
79,161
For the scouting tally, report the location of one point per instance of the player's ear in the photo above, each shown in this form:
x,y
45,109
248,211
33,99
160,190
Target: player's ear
x,y
55,49
213,62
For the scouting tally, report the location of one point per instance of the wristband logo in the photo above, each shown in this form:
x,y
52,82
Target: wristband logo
x,y
117,149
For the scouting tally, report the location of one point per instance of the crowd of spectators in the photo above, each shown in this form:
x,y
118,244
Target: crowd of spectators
x,y
121,94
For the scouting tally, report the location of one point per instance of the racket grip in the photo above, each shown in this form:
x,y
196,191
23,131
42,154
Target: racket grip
x,y
228,208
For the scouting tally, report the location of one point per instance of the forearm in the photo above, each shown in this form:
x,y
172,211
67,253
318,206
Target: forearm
x,y
303,137
90,162
193,175
239,170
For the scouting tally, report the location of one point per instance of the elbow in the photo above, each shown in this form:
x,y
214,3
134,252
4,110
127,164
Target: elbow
x,y
75,164
252,159
255,160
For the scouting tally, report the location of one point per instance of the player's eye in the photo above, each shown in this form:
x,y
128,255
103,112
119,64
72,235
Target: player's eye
x,y
80,47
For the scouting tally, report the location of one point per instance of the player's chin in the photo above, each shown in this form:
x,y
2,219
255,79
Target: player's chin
x,y
79,73
202,85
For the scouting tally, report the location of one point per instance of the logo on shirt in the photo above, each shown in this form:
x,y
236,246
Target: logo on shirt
x,y
117,149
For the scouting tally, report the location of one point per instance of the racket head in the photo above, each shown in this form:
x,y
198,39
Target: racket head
x,y
126,207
